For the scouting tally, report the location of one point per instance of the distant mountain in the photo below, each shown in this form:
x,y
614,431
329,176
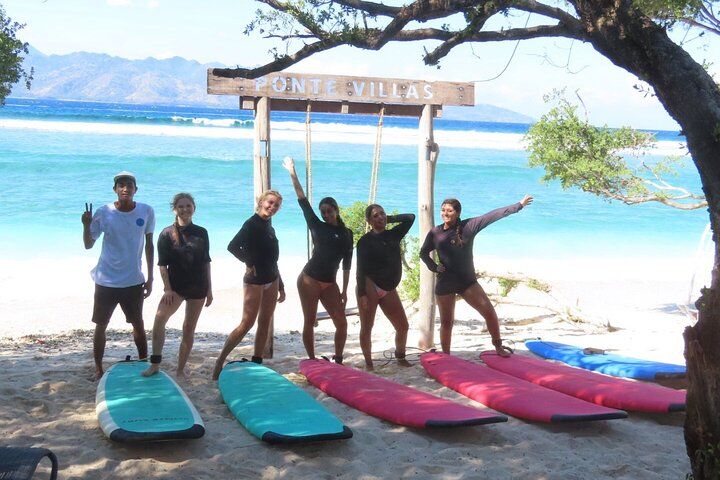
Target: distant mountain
x,y
97,77
485,113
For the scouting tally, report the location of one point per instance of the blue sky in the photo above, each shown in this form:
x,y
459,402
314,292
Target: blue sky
x,y
212,31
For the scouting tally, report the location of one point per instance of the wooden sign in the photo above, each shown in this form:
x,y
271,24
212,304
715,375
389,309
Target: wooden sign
x,y
343,89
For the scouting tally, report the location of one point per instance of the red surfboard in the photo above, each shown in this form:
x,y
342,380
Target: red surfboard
x,y
391,401
511,395
613,392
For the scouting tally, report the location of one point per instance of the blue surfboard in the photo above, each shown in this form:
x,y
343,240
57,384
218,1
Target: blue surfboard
x,y
273,408
133,408
607,363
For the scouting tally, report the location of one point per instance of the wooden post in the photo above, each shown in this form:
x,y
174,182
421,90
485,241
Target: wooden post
x,y
261,176
427,159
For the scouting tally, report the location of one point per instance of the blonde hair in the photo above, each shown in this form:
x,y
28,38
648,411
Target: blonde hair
x,y
266,194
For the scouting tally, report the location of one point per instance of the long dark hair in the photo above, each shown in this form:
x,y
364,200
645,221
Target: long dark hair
x,y
333,203
457,206
176,237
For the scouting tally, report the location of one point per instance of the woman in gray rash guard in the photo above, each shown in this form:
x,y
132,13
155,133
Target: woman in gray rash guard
x,y
453,242
379,270
332,242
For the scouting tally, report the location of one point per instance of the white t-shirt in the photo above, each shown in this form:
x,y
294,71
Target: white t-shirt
x,y
120,263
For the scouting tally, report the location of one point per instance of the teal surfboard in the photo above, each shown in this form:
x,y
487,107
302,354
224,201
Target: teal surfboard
x,y
133,408
273,408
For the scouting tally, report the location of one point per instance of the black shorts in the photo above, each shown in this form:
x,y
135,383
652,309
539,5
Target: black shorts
x,y
107,298
448,283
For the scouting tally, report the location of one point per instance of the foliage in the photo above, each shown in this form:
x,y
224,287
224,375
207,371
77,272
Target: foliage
x,y
410,288
691,13
11,50
354,218
507,285
581,155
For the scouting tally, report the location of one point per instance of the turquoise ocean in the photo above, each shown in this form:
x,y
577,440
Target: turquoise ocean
x,y
55,156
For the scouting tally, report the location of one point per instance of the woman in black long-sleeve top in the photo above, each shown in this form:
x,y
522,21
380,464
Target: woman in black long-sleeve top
x,y
332,243
257,247
379,270
453,243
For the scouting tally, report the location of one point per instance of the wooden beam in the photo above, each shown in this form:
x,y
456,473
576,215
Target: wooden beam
x,y
428,152
340,88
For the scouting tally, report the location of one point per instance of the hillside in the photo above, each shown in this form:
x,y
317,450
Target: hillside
x,y
97,77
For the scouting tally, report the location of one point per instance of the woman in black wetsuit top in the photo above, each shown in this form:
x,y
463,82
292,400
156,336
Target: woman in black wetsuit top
x,y
453,243
332,242
379,269
184,262
257,247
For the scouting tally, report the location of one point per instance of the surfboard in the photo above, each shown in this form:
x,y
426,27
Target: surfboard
x,y
613,392
508,394
133,408
274,409
607,363
391,401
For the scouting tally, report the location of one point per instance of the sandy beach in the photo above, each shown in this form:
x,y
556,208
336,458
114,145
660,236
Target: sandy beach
x,y
627,306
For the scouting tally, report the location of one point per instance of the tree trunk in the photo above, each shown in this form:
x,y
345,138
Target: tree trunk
x,y
633,42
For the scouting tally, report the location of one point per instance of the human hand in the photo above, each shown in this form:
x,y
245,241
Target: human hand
x,y
440,268
527,200
281,296
169,298
289,164
250,271
86,217
209,298
343,298
147,286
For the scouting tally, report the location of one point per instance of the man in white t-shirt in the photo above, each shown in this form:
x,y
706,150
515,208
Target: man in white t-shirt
x,y
127,228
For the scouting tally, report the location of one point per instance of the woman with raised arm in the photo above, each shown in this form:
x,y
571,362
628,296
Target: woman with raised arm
x,y
453,243
379,270
257,247
332,242
184,261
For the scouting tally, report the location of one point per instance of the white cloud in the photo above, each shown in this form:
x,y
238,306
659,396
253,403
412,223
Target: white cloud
x,y
119,3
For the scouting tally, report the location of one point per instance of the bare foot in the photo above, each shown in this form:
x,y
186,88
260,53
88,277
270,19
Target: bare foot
x,y
182,374
369,367
503,351
98,374
403,363
152,370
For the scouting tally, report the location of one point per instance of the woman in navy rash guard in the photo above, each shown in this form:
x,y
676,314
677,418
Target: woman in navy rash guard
x,y
184,262
332,242
379,270
453,243
257,247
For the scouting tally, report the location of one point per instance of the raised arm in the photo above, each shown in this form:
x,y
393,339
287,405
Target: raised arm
x,y
289,165
86,220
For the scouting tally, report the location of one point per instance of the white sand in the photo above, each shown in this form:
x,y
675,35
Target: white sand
x,y
48,399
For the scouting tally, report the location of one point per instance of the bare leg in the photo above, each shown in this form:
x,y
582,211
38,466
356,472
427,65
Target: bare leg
x,y
252,294
164,312
140,338
330,298
367,320
446,308
309,292
476,297
268,302
193,308
99,349
393,309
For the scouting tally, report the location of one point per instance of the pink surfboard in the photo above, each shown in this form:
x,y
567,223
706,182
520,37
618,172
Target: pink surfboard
x,y
511,395
613,392
391,401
